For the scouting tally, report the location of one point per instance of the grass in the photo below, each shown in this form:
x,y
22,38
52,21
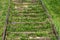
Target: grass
x,y
3,11
54,10
15,16
42,30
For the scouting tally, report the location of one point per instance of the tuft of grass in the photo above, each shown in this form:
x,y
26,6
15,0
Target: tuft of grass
x,y
54,10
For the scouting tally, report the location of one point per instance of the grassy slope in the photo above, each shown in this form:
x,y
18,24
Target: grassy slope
x,y
3,10
54,10
24,27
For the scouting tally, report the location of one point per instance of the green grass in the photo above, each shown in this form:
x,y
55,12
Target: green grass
x,y
54,9
40,29
3,11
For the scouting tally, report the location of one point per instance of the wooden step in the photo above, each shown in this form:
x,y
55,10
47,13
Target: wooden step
x,y
22,1
24,18
27,14
25,3
28,23
25,7
27,32
30,38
